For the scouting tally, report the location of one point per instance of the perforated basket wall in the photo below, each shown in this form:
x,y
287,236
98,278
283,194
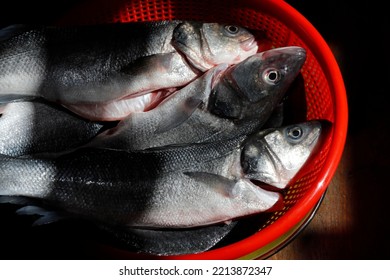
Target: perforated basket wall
x,y
323,85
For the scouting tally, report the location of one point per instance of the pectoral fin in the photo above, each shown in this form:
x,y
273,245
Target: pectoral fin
x,y
219,183
184,111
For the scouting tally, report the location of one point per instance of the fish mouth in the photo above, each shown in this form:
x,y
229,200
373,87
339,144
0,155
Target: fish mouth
x,y
279,203
275,187
249,44
249,47
292,50
294,53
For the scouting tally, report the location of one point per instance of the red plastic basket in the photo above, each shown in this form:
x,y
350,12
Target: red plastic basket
x,y
324,93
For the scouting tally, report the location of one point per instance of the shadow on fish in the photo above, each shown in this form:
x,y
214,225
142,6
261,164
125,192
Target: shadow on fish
x,y
39,127
173,188
105,72
223,103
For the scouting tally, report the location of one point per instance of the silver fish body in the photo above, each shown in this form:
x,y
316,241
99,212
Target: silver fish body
x,y
277,155
35,127
177,187
168,242
123,195
87,68
154,189
225,102
172,122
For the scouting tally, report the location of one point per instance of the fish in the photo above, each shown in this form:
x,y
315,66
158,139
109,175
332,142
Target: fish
x,y
152,189
158,242
152,242
226,101
31,127
276,155
104,72
174,188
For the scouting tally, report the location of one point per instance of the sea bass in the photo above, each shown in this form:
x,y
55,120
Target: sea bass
x,y
105,72
174,188
36,127
224,102
274,156
144,189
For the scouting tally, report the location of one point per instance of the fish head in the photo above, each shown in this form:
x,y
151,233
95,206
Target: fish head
x,y
275,156
206,45
255,86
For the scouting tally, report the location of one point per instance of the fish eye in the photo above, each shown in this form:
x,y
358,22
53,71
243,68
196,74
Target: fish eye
x,y
272,76
295,133
232,29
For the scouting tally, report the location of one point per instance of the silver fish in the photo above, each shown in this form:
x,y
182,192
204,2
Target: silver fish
x,y
181,187
105,72
145,189
275,156
35,127
225,102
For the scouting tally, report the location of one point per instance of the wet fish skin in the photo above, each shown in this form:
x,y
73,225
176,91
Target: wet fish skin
x,y
230,102
96,65
168,242
191,37
37,127
168,124
276,155
124,189
253,80
161,242
166,188
261,82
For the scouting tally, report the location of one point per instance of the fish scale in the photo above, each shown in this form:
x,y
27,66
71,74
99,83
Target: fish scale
x,y
223,103
86,68
36,127
22,64
149,189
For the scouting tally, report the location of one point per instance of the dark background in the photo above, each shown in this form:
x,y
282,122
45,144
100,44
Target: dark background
x,y
353,218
